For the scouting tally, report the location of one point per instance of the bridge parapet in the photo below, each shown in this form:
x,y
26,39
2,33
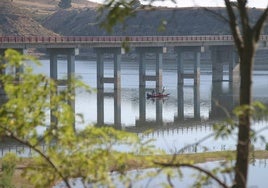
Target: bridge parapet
x,y
113,41
116,41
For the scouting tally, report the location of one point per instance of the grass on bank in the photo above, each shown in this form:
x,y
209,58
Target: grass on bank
x,y
139,162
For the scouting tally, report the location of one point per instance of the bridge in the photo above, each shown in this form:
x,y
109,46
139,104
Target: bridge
x,y
221,46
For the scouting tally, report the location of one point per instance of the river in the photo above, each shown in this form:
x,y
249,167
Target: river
x,y
170,131
170,128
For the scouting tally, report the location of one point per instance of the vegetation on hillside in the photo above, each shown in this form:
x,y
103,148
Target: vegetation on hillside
x,y
65,4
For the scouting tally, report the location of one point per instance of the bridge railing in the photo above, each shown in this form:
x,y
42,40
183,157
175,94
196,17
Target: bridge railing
x,y
88,39
107,39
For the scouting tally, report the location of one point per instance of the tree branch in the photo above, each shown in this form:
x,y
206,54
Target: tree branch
x,y
208,173
234,27
11,135
243,17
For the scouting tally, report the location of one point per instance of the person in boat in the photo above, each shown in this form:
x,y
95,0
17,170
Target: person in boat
x,y
153,92
163,90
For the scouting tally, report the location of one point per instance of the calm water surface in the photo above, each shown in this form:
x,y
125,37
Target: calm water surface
x,y
170,132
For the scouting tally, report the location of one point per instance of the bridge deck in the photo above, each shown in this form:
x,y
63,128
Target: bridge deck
x,y
113,41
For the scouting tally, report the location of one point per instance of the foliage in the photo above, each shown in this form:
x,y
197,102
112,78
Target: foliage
x,y
8,169
89,153
65,4
116,12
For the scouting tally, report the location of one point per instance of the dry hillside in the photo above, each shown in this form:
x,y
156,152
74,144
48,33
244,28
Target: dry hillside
x,y
42,8
19,22
23,17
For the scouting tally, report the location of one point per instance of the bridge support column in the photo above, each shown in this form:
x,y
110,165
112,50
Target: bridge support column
x,y
142,104
53,54
117,107
100,107
143,77
70,53
101,79
195,75
159,111
159,70
115,80
180,106
180,62
142,120
220,56
222,100
197,101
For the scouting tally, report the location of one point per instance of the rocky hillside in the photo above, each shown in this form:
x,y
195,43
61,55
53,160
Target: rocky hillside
x,y
162,21
16,21
43,17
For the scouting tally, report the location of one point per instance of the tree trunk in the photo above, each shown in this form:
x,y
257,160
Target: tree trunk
x,y
243,144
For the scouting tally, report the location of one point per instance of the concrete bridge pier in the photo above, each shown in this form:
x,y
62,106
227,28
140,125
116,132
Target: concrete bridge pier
x,y
180,106
143,77
159,111
115,80
101,79
142,105
100,107
53,56
222,100
220,56
182,74
70,53
142,120
117,107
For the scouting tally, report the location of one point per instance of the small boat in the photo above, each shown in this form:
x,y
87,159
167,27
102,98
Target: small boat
x,y
157,95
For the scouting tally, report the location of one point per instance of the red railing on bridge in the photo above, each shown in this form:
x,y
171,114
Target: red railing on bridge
x,y
86,39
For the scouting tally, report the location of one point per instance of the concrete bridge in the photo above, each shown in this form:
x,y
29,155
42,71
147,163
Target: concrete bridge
x,y
221,46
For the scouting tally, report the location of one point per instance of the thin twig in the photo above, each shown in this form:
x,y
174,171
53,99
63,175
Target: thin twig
x,y
11,135
208,173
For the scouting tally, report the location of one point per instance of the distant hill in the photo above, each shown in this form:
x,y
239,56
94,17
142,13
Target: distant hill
x,y
180,21
44,17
